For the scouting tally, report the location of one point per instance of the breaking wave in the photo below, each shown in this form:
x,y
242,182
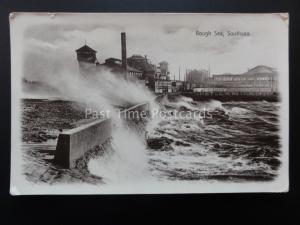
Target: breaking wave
x,y
237,143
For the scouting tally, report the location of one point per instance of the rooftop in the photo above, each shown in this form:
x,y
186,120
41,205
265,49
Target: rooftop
x,y
260,69
86,48
111,62
137,57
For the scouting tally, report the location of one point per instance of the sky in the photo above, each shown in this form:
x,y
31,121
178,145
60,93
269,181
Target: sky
x,y
51,40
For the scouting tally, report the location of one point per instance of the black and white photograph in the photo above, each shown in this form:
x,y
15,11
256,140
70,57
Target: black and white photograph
x,y
144,103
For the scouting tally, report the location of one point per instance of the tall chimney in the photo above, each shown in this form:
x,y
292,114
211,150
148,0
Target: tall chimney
x,y
123,48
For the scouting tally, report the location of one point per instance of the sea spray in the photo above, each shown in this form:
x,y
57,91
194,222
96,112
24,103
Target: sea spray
x,y
126,161
103,90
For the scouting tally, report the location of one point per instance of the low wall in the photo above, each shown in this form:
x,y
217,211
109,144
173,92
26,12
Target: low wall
x,y
137,112
231,96
74,143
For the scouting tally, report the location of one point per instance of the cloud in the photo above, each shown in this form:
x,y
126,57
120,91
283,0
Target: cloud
x,y
164,37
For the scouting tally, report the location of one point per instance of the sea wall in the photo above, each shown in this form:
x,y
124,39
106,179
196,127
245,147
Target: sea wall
x,y
136,113
196,96
74,143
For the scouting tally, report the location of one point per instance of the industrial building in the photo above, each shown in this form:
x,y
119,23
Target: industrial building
x,y
115,65
86,54
136,67
156,77
142,64
87,61
260,80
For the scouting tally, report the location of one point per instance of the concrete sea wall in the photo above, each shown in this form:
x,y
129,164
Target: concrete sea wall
x,y
137,112
74,143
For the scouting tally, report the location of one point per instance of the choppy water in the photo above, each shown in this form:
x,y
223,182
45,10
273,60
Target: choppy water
x,y
240,142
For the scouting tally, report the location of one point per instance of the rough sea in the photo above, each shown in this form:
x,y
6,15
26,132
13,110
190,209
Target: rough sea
x,y
238,142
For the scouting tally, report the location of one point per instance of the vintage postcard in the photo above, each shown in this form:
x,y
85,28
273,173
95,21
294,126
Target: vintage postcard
x,y
142,103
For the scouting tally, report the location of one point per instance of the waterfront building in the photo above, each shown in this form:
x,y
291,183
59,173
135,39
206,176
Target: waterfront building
x,y
86,54
157,75
115,65
86,57
177,86
258,80
148,70
141,63
164,70
162,86
197,76
162,82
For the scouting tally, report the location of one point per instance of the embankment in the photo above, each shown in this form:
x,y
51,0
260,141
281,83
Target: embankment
x,y
75,143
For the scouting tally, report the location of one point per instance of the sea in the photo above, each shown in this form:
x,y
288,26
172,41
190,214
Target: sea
x,y
238,142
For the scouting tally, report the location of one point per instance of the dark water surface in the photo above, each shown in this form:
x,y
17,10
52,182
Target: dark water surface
x,y
240,142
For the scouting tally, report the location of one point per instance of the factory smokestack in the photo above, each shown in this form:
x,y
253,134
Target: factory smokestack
x,y
123,48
